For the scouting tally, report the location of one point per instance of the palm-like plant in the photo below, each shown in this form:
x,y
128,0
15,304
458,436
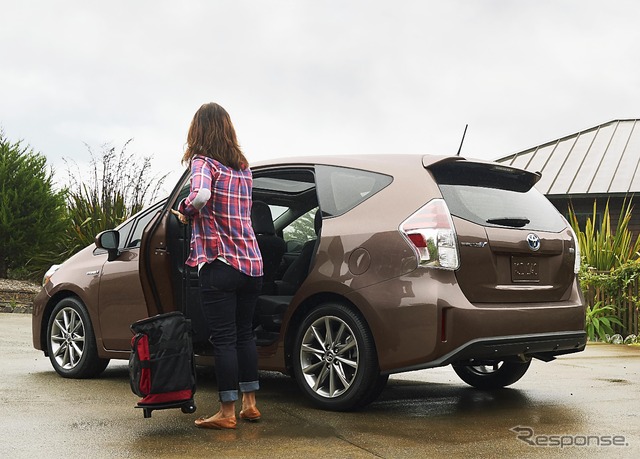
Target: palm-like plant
x,y
117,187
601,248
89,215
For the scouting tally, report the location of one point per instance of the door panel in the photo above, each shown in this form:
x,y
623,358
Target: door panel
x,y
155,266
167,284
121,300
185,280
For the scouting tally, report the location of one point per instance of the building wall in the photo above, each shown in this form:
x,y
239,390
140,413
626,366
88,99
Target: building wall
x,y
583,208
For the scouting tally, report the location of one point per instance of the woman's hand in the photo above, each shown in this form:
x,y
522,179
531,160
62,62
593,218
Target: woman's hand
x,y
183,218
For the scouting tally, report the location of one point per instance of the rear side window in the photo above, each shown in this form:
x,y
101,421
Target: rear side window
x,y
340,189
496,196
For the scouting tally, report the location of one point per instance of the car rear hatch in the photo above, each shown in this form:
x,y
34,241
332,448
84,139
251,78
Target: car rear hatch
x,y
514,246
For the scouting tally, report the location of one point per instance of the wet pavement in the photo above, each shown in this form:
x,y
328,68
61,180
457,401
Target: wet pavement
x,y
587,404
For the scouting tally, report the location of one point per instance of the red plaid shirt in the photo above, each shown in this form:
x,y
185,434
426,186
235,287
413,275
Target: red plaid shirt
x,y
221,227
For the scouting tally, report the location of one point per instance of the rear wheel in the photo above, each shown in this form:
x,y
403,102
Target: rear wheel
x,y
335,361
71,342
492,375
375,390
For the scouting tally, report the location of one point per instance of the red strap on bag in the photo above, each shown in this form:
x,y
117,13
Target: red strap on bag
x,y
142,349
165,397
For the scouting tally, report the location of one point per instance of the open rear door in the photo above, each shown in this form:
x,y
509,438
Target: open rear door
x,y
168,284
157,262
155,266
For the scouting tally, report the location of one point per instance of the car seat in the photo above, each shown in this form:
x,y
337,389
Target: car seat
x,y
298,270
271,246
271,308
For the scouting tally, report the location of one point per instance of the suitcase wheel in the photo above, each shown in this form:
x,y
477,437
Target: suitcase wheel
x,y
189,408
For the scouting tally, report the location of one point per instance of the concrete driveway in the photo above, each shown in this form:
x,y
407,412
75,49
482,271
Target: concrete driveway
x,y
582,405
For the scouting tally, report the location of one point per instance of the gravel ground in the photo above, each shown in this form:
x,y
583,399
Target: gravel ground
x,y
17,296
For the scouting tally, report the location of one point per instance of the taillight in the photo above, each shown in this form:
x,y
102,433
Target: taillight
x,y
577,260
430,231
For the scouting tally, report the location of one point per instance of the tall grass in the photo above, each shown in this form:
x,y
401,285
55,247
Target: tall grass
x,y
603,249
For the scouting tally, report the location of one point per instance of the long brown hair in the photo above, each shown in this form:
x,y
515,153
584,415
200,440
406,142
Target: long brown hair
x,y
212,134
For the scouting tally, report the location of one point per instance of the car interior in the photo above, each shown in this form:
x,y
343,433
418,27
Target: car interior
x,y
287,222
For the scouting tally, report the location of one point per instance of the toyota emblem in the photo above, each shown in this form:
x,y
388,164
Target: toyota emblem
x,y
534,242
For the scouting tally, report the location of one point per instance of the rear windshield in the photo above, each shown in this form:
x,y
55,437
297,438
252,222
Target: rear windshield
x,y
496,196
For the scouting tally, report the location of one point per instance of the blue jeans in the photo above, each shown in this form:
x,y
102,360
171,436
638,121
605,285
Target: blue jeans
x,y
229,299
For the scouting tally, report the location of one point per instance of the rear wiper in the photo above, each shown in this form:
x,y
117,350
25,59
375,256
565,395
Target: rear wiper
x,y
516,222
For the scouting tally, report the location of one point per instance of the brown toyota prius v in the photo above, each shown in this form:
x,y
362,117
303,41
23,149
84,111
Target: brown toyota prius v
x,y
374,265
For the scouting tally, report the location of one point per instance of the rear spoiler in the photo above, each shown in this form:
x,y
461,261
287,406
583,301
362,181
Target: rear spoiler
x,y
454,170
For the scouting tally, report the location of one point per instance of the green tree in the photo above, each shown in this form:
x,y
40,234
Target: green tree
x,y
117,186
32,214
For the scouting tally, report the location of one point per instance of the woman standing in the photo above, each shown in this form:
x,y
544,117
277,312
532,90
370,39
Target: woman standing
x,y
224,247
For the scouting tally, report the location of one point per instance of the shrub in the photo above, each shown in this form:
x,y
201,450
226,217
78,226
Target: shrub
x,y
32,214
600,320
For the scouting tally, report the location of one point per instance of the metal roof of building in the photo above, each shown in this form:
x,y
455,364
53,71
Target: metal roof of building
x,y
602,160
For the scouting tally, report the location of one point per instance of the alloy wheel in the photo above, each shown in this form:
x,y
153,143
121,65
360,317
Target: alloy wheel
x,y
487,369
67,338
329,356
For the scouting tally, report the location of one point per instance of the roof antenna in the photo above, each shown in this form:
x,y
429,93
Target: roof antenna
x,y
462,141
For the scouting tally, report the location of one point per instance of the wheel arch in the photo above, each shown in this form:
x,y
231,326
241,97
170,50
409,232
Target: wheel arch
x,y
84,361
48,310
304,309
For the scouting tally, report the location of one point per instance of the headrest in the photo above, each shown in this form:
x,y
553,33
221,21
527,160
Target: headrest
x,y
261,218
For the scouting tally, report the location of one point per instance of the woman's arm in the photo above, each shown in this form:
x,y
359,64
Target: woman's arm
x,y
201,176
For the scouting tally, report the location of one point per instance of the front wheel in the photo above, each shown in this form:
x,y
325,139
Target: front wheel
x,y
71,341
492,375
334,359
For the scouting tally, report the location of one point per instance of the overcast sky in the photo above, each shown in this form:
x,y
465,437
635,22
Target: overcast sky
x,y
305,77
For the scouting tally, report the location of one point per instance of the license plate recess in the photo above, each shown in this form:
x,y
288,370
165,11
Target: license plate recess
x,y
525,269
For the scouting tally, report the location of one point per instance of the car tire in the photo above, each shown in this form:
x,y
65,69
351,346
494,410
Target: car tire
x,y
495,375
71,342
335,361
379,384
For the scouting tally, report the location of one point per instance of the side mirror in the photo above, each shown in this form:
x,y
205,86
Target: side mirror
x,y
109,240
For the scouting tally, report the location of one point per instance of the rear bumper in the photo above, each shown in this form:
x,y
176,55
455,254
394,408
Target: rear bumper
x,y
544,346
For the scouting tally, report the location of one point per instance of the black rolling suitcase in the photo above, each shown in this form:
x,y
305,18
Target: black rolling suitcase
x,y
161,366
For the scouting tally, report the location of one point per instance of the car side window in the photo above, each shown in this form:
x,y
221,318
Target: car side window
x,y
125,231
277,211
340,189
140,224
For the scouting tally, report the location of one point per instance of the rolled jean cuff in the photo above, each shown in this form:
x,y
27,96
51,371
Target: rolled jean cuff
x,y
249,386
228,395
